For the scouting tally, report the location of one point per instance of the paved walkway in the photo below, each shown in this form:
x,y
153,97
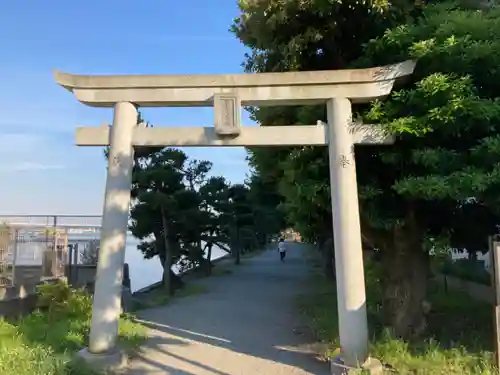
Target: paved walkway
x,y
246,324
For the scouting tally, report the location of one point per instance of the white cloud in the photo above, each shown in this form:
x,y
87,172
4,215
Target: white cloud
x,y
16,143
21,152
28,166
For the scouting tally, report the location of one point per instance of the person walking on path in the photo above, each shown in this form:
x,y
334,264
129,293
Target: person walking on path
x,y
282,249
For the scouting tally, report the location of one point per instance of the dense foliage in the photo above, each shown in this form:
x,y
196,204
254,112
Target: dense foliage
x,y
306,35
445,348
180,212
439,181
441,176
464,269
44,342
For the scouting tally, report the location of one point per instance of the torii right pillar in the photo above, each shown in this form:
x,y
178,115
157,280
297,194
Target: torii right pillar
x,y
351,299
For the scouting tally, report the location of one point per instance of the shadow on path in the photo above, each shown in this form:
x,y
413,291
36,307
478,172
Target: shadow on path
x,y
246,324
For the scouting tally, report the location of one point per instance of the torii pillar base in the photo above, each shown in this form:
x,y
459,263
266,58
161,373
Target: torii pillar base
x,y
372,366
109,362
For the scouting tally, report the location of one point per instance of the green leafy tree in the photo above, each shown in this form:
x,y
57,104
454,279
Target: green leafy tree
x,y
441,177
306,35
157,214
269,217
195,177
441,171
166,215
241,231
215,198
179,213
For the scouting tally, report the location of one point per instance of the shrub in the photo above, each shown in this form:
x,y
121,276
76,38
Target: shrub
x,y
44,342
466,270
59,299
445,348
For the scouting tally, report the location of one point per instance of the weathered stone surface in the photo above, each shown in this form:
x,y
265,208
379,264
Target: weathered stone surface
x,y
110,362
372,366
227,114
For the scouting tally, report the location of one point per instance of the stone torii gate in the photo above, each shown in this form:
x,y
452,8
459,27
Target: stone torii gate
x,y
227,93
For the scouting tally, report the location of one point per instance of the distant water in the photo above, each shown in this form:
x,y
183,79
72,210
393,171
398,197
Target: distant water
x,y
144,272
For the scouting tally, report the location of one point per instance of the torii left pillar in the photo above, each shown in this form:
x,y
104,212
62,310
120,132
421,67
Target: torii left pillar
x,y
106,308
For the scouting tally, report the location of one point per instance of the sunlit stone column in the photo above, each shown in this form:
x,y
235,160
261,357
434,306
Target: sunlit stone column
x,y
351,297
108,285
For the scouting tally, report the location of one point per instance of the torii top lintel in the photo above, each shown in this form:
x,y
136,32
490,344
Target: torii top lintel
x,y
290,88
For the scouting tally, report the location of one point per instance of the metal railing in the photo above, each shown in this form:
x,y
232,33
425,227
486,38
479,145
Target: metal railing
x,y
37,247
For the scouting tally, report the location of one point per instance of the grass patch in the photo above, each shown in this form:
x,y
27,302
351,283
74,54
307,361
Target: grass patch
x,y
157,297
221,271
253,253
459,337
45,342
464,269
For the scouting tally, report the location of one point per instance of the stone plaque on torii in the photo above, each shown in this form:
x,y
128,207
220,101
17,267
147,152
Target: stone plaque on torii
x,y
227,94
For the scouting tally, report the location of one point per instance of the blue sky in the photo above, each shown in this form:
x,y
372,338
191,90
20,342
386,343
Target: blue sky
x,y
41,171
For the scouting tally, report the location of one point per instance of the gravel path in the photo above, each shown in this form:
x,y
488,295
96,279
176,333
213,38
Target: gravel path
x,y
246,324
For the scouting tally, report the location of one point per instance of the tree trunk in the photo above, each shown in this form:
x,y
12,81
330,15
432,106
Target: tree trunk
x,y
328,255
237,244
175,280
237,260
167,266
406,272
167,272
209,259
